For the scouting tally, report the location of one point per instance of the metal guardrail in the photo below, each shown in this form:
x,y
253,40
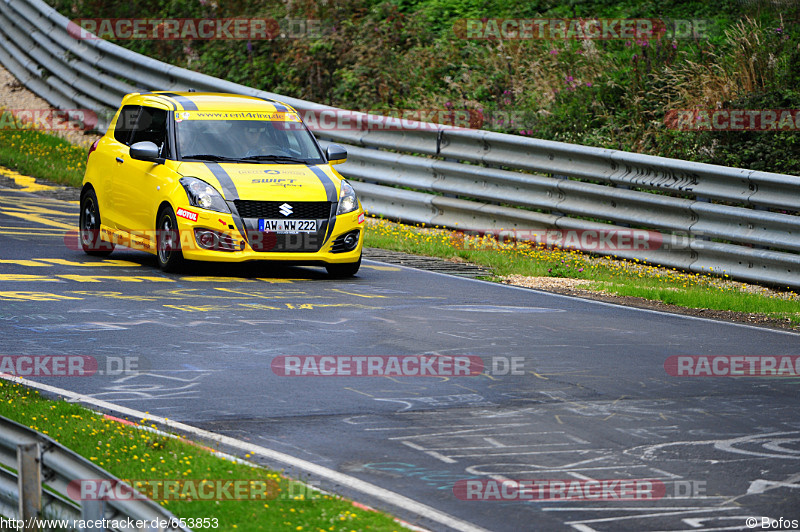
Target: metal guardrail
x,y
58,468
711,217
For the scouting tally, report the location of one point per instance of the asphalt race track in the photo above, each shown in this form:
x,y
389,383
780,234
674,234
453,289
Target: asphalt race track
x,y
593,400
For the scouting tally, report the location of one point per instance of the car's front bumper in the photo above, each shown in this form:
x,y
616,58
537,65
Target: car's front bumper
x,y
243,243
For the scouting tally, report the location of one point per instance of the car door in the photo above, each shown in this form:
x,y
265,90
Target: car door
x,y
113,156
136,183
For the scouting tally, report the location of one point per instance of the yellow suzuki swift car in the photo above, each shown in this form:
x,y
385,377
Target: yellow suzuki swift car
x,y
218,177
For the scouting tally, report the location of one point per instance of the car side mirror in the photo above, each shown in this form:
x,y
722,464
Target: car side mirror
x,y
336,154
146,151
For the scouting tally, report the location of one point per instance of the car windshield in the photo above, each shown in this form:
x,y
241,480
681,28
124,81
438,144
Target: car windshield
x,y
278,141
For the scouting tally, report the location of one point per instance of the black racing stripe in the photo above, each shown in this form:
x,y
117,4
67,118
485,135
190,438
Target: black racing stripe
x,y
327,182
331,223
237,220
278,107
166,100
228,187
230,193
186,103
330,191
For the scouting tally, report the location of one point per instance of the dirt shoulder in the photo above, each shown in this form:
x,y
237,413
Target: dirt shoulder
x,y
572,287
14,96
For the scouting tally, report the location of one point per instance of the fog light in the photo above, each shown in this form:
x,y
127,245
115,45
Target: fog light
x,y
207,239
350,241
346,242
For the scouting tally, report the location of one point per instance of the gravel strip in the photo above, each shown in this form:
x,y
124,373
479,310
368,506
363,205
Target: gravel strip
x,y
572,287
461,269
14,95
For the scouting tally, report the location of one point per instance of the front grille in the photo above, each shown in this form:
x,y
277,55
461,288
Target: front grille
x,y
301,210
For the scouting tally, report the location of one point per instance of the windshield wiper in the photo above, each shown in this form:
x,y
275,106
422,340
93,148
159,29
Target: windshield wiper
x,y
209,157
275,158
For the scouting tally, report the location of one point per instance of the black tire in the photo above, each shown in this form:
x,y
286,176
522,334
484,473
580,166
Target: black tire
x,y
341,271
168,242
89,227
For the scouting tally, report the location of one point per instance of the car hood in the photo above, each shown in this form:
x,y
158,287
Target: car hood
x,y
267,182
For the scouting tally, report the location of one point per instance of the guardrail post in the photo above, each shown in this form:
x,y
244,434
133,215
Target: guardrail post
x,y
564,178
92,510
29,475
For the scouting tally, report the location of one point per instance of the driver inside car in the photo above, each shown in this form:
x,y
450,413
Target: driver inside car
x,y
254,138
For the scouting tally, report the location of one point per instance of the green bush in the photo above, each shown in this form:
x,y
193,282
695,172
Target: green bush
x,y
407,54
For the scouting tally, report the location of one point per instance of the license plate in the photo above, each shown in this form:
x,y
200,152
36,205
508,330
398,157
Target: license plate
x,y
289,227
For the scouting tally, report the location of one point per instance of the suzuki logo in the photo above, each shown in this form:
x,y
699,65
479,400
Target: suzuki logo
x,y
285,209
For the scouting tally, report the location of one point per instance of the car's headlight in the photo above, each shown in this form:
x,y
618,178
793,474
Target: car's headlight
x,y
203,195
348,202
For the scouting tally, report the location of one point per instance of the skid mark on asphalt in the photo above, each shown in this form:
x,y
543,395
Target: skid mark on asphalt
x,y
154,386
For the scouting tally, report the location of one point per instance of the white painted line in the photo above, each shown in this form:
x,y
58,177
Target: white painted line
x,y
468,432
388,497
620,509
604,303
658,514
537,445
434,454
583,528
478,473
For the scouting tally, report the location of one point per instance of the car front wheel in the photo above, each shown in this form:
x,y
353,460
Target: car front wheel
x,y
89,223
170,256
340,271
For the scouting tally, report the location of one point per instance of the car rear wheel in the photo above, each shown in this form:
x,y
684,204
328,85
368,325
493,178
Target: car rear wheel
x,y
89,223
170,256
340,271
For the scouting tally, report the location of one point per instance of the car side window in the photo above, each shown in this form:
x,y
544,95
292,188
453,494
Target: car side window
x,y
151,126
125,123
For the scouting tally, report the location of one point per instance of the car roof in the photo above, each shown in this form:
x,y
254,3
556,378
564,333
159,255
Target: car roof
x,y
205,101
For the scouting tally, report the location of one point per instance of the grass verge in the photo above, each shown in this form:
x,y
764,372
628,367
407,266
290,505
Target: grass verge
x,y
132,454
39,154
